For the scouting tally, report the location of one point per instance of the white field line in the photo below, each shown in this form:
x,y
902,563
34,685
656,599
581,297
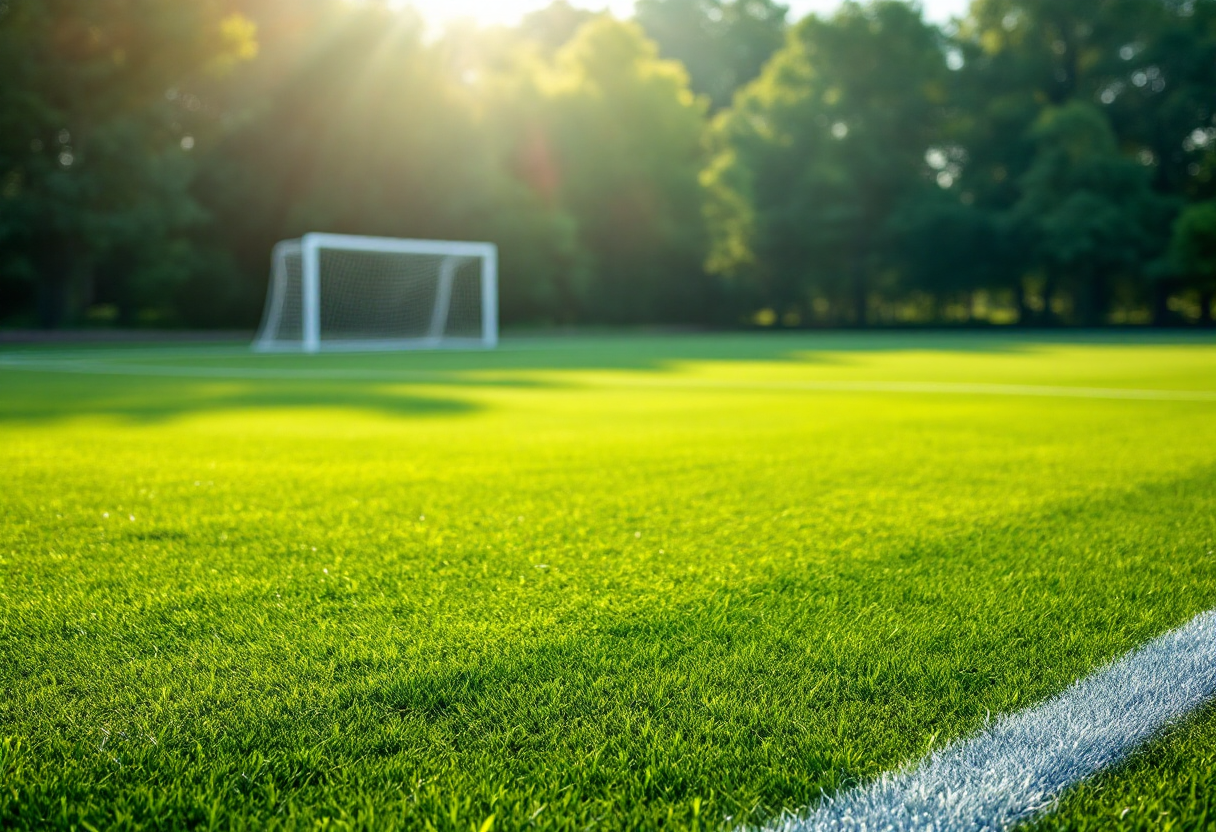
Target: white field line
x,y
1018,768
94,366
941,388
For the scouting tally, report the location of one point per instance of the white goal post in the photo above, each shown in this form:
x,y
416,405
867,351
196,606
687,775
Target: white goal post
x,y
343,292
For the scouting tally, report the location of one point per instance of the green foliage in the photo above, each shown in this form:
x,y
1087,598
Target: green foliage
x,y
554,26
1194,242
723,43
484,137
1193,250
817,154
638,582
363,131
105,106
626,137
1090,212
949,248
702,164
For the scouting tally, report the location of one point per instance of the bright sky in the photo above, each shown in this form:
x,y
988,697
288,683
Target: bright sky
x,y
509,11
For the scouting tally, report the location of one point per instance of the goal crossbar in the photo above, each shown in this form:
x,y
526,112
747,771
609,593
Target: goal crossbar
x,y
298,287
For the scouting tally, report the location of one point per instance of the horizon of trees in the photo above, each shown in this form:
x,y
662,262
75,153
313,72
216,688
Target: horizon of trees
x,y
710,162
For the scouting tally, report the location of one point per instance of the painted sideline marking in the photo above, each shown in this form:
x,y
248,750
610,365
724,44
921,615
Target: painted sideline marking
x,y
1018,768
945,388
93,366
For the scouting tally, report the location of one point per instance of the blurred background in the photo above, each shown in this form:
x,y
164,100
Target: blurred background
x,y
717,163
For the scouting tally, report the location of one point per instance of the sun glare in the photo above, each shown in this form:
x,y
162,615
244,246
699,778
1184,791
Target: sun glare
x,y
499,11
508,12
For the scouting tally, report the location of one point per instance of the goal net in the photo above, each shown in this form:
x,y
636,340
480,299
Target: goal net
x,y
340,292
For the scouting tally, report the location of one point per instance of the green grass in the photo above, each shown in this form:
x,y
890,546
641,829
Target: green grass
x,y
607,583
1170,786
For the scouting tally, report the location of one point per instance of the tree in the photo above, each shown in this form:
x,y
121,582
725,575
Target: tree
x,y
554,26
723,43
1148,64
1193,251
818,154
378,128
98,163
1156,82
151,153
1091,213
623,144
946,248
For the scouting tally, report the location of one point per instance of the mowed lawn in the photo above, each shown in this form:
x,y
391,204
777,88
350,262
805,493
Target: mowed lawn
x,y
585,583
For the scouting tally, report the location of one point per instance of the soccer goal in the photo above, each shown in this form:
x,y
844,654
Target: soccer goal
x,y
341,292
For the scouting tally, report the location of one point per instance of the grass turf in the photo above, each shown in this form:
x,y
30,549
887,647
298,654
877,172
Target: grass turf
x,y
611,583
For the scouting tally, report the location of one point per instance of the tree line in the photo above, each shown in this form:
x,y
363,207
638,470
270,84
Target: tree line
x,y
708,162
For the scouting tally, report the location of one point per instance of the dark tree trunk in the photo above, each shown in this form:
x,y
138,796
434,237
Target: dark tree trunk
x,y
860,289
1205,307
52,300
862,248
1161,298
1093,301
55,264
121,266
861,299
1048,317
1025,313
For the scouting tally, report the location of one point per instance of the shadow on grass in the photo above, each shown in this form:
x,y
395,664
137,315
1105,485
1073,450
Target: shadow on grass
x,y
54,397
735,691
145,383
625,351
730,704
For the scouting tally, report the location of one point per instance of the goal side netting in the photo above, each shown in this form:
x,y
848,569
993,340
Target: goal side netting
x,y
341,292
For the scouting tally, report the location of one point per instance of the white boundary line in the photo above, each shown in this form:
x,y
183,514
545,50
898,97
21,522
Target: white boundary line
x,y
941,388
1018,768
93,366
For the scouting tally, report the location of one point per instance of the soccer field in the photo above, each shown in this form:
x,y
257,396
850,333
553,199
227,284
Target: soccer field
x,y
681,582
